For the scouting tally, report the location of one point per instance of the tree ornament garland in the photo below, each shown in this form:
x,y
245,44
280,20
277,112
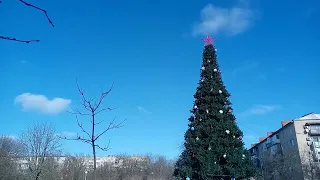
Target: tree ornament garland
x,y
203,68
220,111
227,131
197,138
224,156
220,91
215,70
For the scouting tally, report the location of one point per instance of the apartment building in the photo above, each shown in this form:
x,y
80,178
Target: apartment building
x,y
291,152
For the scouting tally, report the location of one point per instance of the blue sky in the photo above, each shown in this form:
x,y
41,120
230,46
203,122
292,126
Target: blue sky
x,y
152,51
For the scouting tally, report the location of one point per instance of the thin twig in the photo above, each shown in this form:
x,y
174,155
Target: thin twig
x,y
40,9
107,148
104,109
80,125
17,40
112,125
78,139
28,41
77,112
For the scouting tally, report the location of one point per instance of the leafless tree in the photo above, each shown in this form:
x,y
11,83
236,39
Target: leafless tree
x,y
160,168
310,165
91,109
10,150
40,143
73,168
136,168
31,6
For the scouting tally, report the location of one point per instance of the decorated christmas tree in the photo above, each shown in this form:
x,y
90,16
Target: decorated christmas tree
x,y
213,147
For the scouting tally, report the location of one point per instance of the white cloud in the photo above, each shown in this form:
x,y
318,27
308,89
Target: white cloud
x,y
143,110
231,21
259,110
40,103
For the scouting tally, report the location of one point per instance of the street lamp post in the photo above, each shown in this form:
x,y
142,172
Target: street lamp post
x,y
85,175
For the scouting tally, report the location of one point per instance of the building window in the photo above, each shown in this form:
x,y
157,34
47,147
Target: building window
x,y
277,136
314,129
316,138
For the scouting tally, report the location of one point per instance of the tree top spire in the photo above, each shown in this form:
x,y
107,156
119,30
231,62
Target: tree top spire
x,y
208,40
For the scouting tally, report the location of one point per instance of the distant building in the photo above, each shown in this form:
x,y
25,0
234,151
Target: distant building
x,y
112,161
292,152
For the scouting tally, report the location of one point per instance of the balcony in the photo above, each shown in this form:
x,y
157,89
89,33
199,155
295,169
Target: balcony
x,y
316,144
314,130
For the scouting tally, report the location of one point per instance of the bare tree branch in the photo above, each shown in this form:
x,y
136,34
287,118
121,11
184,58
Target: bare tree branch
x,y
83,130
77,112
107,148
112,125
28,41
40,9
103,95
104,109
93,108
78,138
18,40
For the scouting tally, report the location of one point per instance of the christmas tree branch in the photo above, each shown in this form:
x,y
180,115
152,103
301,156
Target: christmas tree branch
x,y
28,41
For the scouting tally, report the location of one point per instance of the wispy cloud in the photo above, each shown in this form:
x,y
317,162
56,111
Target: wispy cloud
x,y
24,62
40,103
232,21
247,66
259,110
143,110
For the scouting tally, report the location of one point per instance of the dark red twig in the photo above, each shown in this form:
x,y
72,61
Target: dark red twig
x,y
18,40
27,41
40,9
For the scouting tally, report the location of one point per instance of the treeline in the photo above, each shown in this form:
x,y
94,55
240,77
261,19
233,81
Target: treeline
x,y
37,155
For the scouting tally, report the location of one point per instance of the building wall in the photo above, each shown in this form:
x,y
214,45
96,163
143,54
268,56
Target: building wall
x,y
304,143
290,151
297,150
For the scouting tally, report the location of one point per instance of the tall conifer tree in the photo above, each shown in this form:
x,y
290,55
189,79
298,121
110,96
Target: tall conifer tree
x,y
213,146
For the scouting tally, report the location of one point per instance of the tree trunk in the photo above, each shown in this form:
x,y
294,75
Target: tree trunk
x,y
94,161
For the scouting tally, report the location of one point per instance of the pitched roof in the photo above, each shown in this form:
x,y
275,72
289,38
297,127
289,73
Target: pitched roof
x,y
309,116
